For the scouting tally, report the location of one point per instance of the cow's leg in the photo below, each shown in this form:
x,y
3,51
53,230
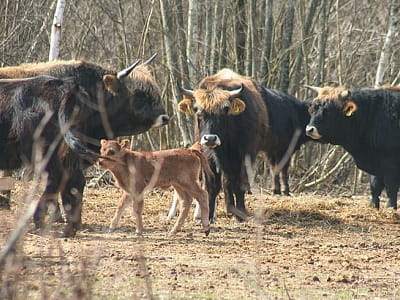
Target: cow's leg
x,y
276,185
376,185
138,203
284,176
230,204
122,204
213,188
50,194
72,202
392,187
185,200
241,212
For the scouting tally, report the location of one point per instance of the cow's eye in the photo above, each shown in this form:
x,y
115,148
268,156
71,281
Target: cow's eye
x,y
110,152
225,109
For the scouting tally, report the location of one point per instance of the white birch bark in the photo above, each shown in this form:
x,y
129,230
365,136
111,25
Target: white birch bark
x,y
386,49
56,30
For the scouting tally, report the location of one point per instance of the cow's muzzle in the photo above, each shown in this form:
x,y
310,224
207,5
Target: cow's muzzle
x,y
210,140
312,132
160,121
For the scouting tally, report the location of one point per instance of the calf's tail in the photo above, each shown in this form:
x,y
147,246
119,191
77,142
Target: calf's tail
x,y
204,163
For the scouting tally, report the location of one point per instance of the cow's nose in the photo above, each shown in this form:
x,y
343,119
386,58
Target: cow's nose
x,y
161,121
312,132
210,140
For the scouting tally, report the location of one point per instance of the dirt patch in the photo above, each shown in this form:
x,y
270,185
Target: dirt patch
x,y
301,247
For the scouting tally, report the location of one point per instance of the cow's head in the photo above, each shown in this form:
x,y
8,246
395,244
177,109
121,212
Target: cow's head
x,y
140,96
213,107
329,110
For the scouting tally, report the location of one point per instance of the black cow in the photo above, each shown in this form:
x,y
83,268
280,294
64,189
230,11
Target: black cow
x,y
366,123
119,104
238,119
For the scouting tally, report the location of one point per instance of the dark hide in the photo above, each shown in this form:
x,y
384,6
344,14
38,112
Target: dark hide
x,y
35,114
116,107
371,134
267,124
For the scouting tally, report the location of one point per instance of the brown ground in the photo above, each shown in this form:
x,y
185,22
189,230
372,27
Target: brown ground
x,y
300,247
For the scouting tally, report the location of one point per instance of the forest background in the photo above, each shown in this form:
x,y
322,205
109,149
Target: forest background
x,y
282,44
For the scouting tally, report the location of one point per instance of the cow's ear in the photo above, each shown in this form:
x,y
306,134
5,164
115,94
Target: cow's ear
x,y
349,108
124,143
237,107
112,83
186,106
103,142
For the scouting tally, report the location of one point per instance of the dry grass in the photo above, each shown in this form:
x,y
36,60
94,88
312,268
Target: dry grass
x,y
300,247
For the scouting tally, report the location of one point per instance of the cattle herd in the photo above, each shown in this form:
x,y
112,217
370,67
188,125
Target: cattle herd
x,y
61,117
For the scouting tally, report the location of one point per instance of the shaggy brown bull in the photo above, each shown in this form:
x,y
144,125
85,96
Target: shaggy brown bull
x,y
236,118
119,104
136,172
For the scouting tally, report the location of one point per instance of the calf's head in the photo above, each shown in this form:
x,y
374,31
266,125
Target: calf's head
x,y
111,151
213,107
330,112
139,97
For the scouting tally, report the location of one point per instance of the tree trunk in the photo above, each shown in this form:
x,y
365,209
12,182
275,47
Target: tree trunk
x,y
192,48
56,31
300,50
266,53
287,42
171,55
386,49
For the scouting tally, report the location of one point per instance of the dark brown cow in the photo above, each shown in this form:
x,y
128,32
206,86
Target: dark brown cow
x,y
35,114
136,172
236,119
119,104
365,122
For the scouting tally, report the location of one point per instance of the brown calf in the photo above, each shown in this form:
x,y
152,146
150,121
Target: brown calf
x,y
136,172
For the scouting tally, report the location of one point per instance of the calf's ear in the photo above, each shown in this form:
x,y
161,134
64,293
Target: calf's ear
x,y
112,83
237,107
124,143
349,108
102,142
186,106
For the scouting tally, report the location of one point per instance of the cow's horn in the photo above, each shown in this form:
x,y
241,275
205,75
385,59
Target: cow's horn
x,y
125,72
314,88
236,92
185,91
150,59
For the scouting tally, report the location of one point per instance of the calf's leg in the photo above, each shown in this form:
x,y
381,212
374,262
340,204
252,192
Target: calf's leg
x,y
138,203
185,200
122,204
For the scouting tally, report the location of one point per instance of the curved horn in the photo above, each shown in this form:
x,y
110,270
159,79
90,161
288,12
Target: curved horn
x,y
314,88
185,91
236,92
150,59
125,72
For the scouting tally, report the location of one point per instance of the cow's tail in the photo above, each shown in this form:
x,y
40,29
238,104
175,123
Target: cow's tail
x,y
69,114
204,162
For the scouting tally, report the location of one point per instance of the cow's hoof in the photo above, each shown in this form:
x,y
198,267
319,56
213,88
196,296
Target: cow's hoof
x,y
207,232
69,232
276,192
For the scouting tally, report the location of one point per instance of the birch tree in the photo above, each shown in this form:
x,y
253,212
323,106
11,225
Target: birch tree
x,y
386,49
56,30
